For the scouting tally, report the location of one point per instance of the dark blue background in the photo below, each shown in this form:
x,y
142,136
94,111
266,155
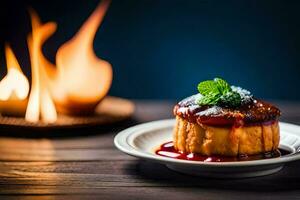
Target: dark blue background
x,y
162,49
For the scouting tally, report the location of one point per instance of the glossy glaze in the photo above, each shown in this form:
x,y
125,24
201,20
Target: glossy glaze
x,y
249,113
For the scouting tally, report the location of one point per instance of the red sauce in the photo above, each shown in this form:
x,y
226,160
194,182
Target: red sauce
x,y
168,150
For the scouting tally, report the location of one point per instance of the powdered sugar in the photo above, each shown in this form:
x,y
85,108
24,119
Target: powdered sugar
x,y
183,110
246,95
215,110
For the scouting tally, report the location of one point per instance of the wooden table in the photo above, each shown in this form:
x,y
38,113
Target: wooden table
x,y
88,166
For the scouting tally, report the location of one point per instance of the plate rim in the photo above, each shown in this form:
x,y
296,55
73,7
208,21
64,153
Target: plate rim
x,y
121,142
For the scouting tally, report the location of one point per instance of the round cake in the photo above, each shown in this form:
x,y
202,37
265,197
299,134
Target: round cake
x,y
233,123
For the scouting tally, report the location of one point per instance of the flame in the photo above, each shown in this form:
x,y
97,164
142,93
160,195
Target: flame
x,y
75,86
15,85
83,79
78,82
40,104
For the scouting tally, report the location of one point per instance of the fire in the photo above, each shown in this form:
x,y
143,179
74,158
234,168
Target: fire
x,y
81,71
77,83
40,104
14,85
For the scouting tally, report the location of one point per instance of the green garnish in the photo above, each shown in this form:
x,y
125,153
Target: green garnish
x,y
230,99
218,92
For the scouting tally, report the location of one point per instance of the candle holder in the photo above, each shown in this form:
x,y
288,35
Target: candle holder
x,y
110,110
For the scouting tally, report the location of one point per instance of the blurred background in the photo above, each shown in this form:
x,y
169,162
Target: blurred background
x,y
162,49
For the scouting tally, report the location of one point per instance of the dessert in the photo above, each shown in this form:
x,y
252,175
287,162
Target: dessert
x,y
225,120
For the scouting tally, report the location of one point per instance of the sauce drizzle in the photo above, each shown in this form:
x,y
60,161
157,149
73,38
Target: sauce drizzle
x,y
167,150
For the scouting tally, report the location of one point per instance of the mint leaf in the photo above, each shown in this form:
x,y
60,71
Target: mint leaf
x,y
222,85
230,99
210,99
218,92
208,87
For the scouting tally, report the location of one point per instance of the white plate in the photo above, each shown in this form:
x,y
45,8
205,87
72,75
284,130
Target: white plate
x,y
142,140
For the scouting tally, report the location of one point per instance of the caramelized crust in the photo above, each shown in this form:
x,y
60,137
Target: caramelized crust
x,y
193,137
253,112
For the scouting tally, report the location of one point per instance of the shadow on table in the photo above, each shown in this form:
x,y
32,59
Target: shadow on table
x,y
286,179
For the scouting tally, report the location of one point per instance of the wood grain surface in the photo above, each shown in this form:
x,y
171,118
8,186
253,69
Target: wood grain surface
x,y
86,165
